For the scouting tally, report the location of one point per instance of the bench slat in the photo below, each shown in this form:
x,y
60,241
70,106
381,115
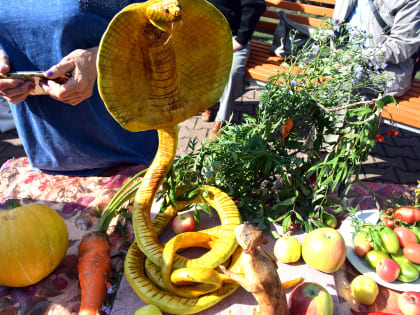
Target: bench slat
x,y
276,2
406,113
305,8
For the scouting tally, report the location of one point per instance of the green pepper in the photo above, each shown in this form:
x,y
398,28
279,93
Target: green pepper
x,y
400,258
389,240
373,257
408,273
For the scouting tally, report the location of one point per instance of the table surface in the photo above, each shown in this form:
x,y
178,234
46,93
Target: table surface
x,y
240,302
77,199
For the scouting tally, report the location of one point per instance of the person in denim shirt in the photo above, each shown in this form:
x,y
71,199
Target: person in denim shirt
x,y
68,130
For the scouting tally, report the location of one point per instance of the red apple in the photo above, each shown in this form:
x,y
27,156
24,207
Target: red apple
x,y
310,298
183,222
387,269
409,303
324,249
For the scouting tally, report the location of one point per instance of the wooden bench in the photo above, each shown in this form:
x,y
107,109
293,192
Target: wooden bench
x,y
262,65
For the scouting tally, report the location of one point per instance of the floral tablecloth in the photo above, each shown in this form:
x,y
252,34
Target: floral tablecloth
x,y
77,200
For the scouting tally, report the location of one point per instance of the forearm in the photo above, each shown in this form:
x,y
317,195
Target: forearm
x,y
404,38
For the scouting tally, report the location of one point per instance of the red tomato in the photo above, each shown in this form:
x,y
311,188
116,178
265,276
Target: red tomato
x,y
388,221
183,223
407,214
412,252
405,235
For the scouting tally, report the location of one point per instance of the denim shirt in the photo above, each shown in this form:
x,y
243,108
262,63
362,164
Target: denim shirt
x,y
59,138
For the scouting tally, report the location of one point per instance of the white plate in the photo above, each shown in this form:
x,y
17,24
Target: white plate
x,y
346,230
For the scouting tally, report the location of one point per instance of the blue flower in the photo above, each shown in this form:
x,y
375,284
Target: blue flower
x,y
106,309
110,290
391,83
359,72
315,48
293,82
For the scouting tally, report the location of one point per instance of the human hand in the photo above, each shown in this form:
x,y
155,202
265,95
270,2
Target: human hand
x,y
81,63
236,45
13,90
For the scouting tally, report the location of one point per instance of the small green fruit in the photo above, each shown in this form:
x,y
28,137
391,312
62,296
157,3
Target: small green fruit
x,y
148,310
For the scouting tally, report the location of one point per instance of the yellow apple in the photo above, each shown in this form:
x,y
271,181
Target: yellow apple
x,y
364,289
287,249
324,249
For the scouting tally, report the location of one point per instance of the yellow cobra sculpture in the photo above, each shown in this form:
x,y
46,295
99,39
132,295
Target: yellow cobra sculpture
x,y
159,63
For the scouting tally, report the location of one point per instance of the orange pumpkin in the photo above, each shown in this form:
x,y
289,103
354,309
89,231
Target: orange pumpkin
x,y
33,241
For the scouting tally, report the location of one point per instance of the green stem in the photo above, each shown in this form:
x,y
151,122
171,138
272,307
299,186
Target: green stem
x,y
12,203
114,207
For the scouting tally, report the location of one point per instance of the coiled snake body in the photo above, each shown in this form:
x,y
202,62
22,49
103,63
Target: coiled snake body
x,y
159,63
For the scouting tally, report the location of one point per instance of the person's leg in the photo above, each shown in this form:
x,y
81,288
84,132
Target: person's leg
x,y
233,88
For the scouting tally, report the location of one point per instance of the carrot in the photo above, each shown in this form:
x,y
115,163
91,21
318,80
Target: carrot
x,y
94,263
94,268
291,283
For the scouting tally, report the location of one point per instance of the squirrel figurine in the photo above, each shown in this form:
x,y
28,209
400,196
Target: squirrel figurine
x,y
261,277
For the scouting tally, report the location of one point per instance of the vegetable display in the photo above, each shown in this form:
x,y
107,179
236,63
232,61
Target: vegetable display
x,y
167,83
391,247
33,241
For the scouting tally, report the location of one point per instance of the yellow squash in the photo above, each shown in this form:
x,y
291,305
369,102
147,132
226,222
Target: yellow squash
x,y
33,241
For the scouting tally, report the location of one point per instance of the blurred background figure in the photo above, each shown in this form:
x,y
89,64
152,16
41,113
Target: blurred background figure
x,y
243,16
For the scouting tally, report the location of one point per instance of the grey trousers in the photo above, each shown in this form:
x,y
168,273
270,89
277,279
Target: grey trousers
x,y
234,86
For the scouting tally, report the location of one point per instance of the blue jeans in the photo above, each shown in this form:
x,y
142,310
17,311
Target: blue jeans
x,y
234,86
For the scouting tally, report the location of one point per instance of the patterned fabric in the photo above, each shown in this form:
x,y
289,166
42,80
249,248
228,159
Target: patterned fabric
x,y
76,199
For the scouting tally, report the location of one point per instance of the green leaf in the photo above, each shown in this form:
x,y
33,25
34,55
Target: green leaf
x,y
387,99
204,206
327,180
287,222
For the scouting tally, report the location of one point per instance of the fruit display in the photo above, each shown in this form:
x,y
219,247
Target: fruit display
x,y
391,250
33,241
324,249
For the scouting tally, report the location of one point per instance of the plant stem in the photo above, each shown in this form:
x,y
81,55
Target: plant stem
x,y
12,203
114,207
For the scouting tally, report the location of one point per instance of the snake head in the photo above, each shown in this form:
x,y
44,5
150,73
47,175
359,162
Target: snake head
x,y
164,12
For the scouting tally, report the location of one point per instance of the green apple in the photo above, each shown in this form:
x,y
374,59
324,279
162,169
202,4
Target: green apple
x,y
324,249
148,310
